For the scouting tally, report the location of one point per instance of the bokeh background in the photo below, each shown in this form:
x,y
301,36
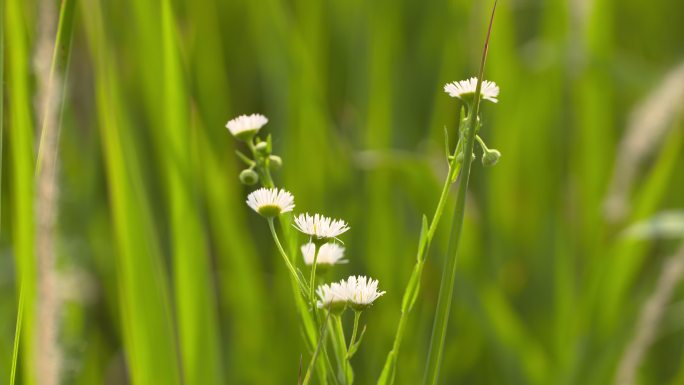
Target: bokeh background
x,y
162,275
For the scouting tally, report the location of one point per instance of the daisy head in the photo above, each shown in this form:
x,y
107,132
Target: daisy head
x,y
332,297
361,291
465,90
270,202
244,127
328,254
320,227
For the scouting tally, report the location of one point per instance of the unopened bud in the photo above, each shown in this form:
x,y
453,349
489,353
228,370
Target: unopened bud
x,y
275,162
490,157
262,148
249,177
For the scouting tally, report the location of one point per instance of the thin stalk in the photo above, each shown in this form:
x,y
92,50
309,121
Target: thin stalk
x,y
312,281
357,315
17,335
309,321
291,268
413,286
322,333
439,328
342,350
60,57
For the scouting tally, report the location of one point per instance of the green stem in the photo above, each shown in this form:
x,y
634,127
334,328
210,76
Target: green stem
x,y
449,272
308,319
482,143
60,55
341,340
413,286
312,281
309,370
261,166
291,268
17,335
357,315
439,328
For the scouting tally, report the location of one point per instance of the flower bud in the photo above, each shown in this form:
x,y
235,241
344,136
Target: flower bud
x,y
275,162
262,148
490,157
249,177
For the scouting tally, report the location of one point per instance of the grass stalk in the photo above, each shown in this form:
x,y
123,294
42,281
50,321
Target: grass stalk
x,y
149,340
20,133
17,337
439,328
194,287
314,356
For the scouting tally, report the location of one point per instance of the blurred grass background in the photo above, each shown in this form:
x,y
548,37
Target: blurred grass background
x,y
165,275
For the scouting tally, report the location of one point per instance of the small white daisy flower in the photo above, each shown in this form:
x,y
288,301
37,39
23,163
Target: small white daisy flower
x,y
270,202
319,226
465,89
246,126
328,254
361,291
332,296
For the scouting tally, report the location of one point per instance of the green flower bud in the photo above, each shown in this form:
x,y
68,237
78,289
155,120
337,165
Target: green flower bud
x,y
490,157
249,177
262,148
275,162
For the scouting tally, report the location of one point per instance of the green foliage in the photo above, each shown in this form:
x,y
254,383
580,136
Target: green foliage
x,y
178,281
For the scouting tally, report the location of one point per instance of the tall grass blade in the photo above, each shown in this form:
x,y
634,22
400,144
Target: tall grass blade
x,y
20,131
145,310
195,298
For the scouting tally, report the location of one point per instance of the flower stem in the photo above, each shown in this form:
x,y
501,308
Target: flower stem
x,y
312,281
339,344
357,315
322,333
291,268
439,328
413,286
449,272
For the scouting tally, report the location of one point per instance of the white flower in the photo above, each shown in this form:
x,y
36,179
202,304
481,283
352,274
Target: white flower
x,y
332,296
328,254
319,226
465,89
270,202
246,126
361,291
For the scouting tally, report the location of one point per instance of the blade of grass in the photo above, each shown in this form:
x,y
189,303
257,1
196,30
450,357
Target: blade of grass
x,y
20,131
17,337
149,338
195,299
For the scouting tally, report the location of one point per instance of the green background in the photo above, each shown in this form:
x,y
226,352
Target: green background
x,y
164,269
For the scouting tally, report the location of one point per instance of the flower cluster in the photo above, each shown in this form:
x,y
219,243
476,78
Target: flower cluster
x,y
321,251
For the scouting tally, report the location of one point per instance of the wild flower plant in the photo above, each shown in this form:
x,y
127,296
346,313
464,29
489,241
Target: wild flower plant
x,y
322,306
